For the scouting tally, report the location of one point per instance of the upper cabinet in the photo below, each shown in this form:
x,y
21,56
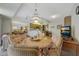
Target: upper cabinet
x,y
67,21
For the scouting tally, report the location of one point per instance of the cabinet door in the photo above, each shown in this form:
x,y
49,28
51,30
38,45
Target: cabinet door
x,y
77,50
67,20
70,48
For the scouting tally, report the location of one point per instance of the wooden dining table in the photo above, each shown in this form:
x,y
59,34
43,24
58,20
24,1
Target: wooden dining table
x,y
41,43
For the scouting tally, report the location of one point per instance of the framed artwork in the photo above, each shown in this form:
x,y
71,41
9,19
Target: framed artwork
x,y
35,26
58,26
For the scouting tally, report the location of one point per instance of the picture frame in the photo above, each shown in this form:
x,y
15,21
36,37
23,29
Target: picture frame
x,y
58,26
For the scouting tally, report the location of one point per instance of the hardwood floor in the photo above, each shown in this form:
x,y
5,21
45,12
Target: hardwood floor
x,y
66,53
63,53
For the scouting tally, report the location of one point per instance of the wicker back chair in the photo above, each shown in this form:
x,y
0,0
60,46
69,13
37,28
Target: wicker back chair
x,y
22,51
55,50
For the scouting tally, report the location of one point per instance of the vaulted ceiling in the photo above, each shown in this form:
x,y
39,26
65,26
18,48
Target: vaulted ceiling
x,y
49,11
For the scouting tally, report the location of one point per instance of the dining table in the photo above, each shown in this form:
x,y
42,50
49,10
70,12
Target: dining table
x,y
42,43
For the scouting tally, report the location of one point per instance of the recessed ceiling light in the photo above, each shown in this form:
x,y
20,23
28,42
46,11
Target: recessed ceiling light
x,y
54,16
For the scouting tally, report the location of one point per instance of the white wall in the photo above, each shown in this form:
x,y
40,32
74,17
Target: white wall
x,y
6,12
55,22
75,24
19,22
6,24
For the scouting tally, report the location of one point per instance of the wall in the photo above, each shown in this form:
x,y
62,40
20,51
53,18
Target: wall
x,y
17,22
75,24
5,25
6,12
53,26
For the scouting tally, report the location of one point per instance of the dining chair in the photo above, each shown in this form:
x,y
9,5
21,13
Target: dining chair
x,y
55,49
12,51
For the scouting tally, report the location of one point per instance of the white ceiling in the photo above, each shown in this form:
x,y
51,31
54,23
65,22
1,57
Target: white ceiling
x,y
45,10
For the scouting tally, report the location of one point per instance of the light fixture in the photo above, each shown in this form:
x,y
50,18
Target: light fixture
x,y
54,16
35,16
36,21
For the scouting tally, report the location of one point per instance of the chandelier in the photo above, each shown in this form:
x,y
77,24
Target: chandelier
x,y
35,16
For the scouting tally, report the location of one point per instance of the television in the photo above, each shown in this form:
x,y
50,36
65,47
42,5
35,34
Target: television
x,y
66,31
